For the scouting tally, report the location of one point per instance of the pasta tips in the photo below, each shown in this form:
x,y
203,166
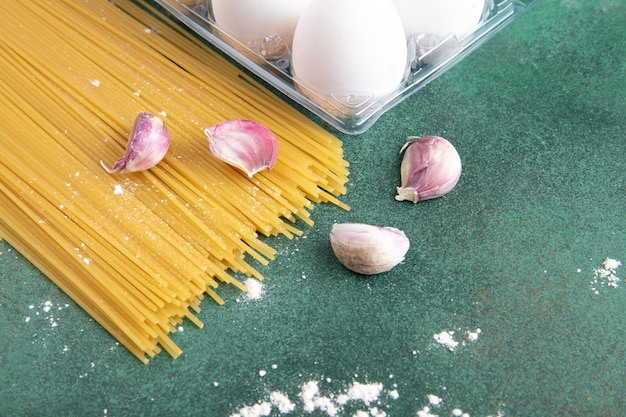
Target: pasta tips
x,y
139,252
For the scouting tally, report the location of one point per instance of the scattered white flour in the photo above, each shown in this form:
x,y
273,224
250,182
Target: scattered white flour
x,y
457,412
425,412
363,392
257,410
606,275
473,336
48,311
446,338
282,402
364,400
312,400
255,288
611,264
434,400
118,190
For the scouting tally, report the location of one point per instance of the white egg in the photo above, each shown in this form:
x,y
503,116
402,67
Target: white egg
x,y
349,48
253,22
440,17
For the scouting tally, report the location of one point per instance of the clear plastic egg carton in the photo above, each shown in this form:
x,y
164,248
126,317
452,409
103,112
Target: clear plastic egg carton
x,y
269,59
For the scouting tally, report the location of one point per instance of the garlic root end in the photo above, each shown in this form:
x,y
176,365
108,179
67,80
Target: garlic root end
x,y
407,193
107,169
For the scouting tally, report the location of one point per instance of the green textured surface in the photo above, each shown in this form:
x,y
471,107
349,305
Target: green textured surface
x,y
538,116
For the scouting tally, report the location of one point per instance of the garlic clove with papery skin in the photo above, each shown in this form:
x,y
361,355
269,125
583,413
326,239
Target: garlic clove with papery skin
x,y
147,145
367,249
244,144
431,167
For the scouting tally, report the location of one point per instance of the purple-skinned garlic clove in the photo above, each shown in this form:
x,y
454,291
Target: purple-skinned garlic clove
x,y
244,144
367,249
147,145
431,167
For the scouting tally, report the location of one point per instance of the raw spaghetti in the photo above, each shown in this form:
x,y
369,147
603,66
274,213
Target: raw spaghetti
x,y
139,251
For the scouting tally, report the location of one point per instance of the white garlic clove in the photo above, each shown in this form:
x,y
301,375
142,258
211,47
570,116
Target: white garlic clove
x,y
244,144
431,167
148,143
368,249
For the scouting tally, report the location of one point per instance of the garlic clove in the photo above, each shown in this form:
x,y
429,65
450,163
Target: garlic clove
x,y
431,167
368,249
148,143
244,144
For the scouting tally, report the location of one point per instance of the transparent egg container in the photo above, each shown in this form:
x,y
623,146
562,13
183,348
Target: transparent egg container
x,y
269,58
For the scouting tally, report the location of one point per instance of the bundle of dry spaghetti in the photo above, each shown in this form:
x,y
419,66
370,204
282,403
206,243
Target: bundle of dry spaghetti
x,y
139,251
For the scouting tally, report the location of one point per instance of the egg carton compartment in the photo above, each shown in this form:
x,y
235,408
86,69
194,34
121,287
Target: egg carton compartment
x,y
429,56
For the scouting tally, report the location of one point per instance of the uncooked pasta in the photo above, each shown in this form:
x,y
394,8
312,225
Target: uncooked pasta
x,y
139,251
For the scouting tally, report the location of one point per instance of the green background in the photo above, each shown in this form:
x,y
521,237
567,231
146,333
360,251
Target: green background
x,y
538,116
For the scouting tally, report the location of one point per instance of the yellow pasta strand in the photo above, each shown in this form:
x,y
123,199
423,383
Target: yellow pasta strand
x,y
139,251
